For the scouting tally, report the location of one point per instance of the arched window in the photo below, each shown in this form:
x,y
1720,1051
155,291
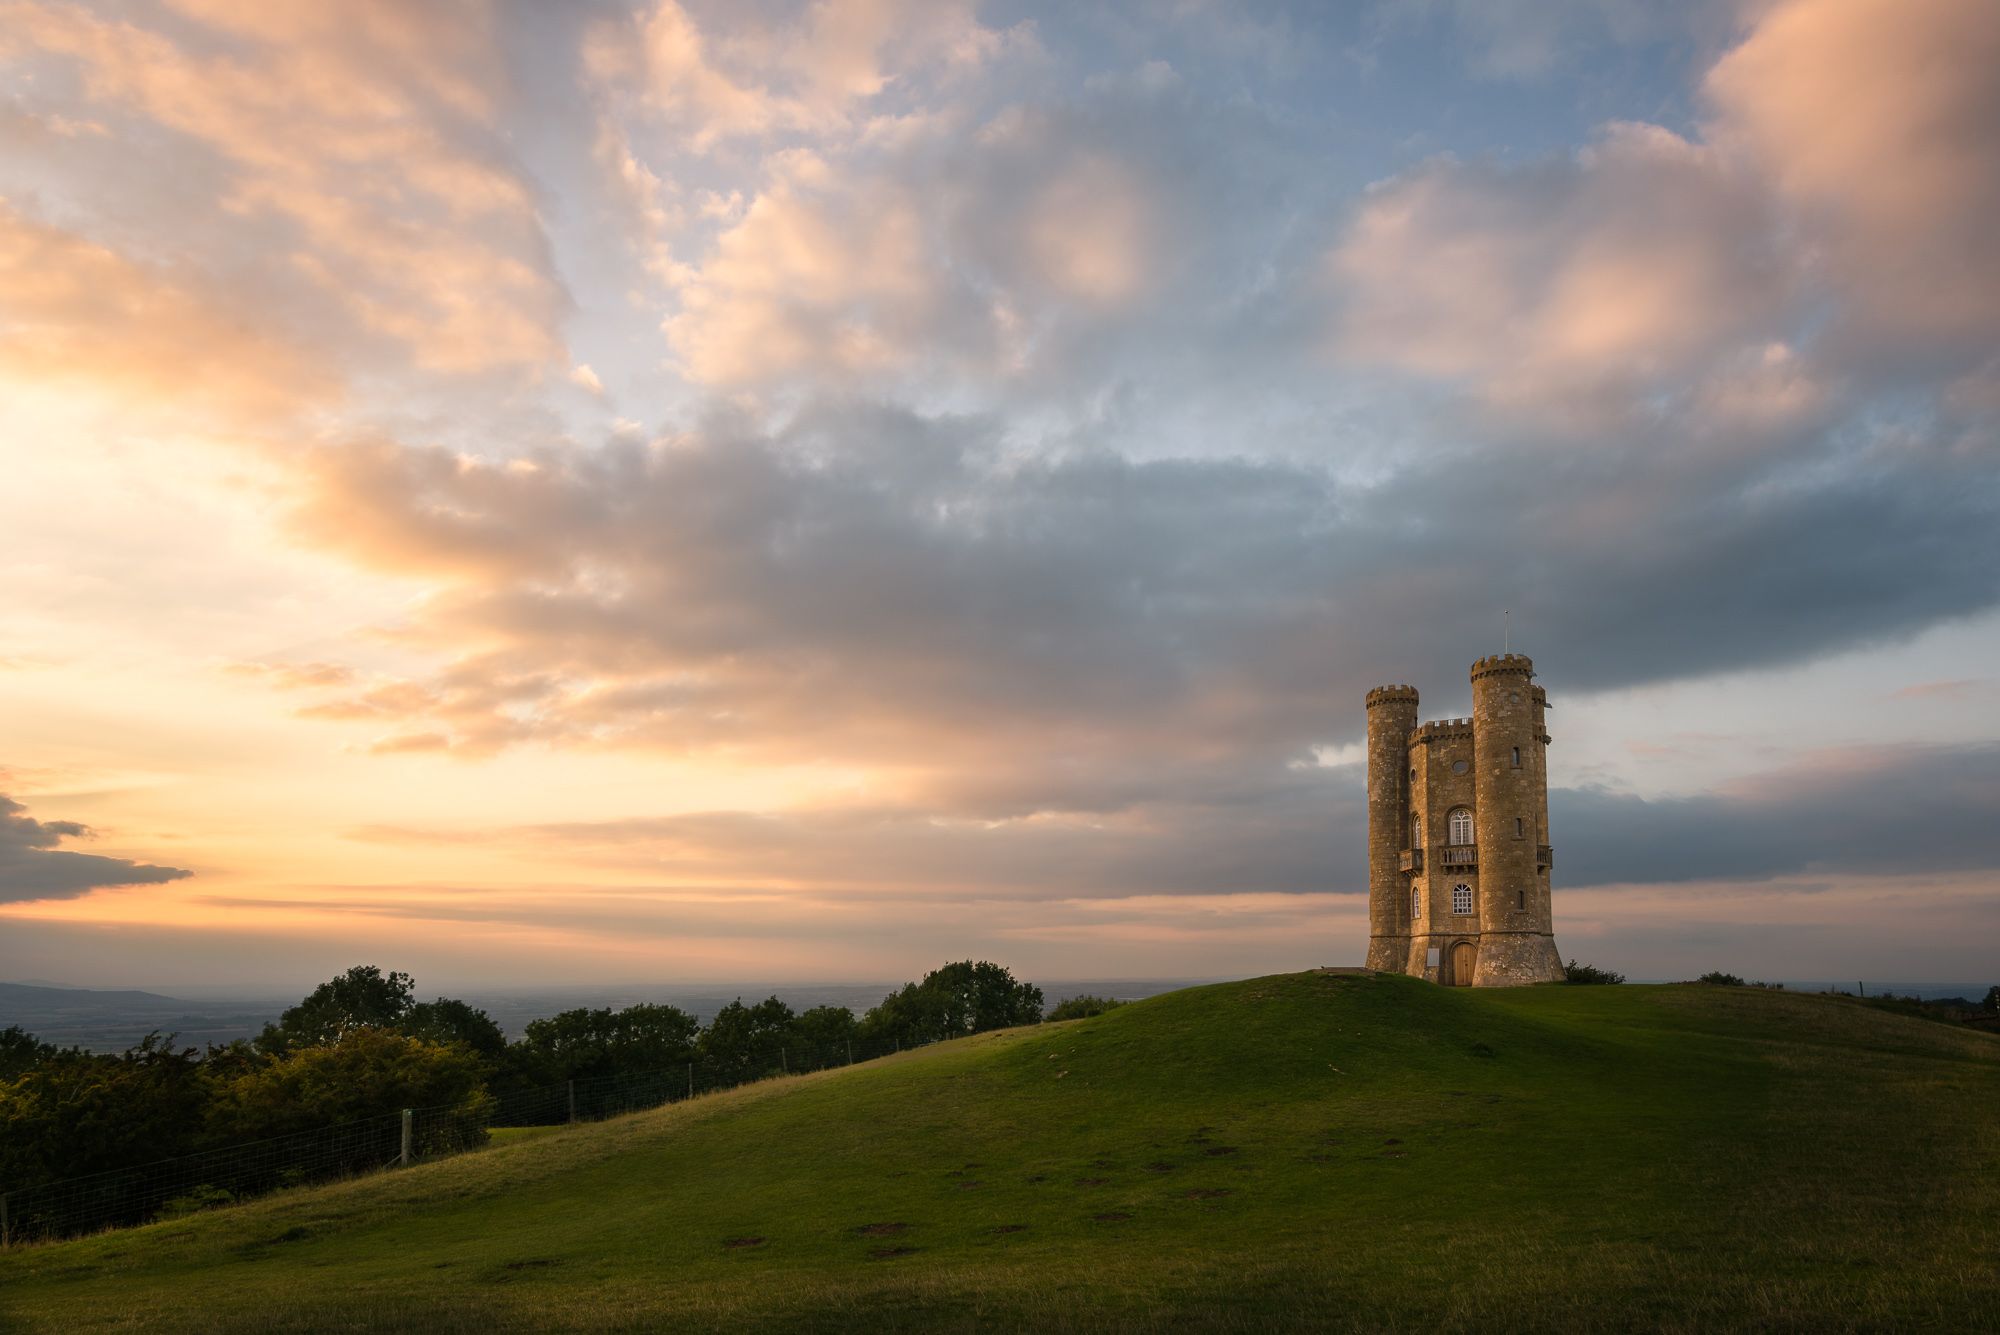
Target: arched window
x,y
1416,830
1520,827
1458,825
1416,902
1461,898
1517,757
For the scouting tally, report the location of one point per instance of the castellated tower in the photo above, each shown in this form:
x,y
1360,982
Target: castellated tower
x,y
1458,834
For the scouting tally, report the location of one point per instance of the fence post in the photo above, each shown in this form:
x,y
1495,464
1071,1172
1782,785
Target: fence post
x,y
783,1064
690,1079
572,1100
850,1052
404,1158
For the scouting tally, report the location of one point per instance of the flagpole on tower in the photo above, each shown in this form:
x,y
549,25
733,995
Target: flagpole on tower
x,y
1506,631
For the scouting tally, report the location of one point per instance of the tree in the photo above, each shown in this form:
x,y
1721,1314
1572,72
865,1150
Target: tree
x,y
21,1052
366,1072
1083,1007
77,1112
580,1043
1992,1001
957,999
744,1042
1720,979
364,996
824,1035
449,1021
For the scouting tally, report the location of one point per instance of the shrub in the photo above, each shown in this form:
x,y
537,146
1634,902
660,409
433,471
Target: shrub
x,y
1721,979
1585,973
1083,1007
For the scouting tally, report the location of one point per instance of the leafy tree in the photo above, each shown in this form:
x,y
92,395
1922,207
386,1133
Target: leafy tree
x,y
1992,1001
366,1072
1720,979
364,996
1584,973
449,1021
21,1051
824,1034
1083,1007
584,1043
743,1042
77,1112
960,998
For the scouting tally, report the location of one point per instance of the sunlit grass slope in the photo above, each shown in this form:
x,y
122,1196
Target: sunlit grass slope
x,y
1294,1151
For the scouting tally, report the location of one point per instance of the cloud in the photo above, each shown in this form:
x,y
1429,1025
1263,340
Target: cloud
x,y
812,72
1878,123
1829,224
73,312
1639,260
32,867
1885,811
1036,252
370,136
998,633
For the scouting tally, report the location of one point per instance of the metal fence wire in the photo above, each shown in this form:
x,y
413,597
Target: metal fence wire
x,y
171,1188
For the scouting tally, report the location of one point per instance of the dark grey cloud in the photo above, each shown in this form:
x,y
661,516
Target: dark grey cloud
x,y
33,867
871,585
1891,811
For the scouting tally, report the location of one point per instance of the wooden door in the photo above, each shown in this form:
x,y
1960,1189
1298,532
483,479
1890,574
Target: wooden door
x,y
1464,958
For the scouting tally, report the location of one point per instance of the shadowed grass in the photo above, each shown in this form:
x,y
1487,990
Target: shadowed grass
x,y
1294,1151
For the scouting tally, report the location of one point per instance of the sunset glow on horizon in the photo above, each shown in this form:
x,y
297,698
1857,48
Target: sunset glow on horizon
x,y
677,491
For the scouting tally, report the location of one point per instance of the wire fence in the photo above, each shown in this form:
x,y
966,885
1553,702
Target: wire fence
x,y
171,1188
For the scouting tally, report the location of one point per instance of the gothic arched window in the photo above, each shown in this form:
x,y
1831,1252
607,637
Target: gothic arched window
x,y
1458,825
1416,830
1461,898
1416,902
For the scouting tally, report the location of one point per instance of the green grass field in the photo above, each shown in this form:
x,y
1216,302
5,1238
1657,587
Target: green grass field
x,y
1298,1151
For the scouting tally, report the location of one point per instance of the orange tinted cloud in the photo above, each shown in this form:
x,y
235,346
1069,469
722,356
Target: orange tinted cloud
x,y
370,130
75,312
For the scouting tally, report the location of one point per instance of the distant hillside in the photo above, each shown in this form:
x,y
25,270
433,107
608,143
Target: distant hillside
x,y
1305,1152
21,996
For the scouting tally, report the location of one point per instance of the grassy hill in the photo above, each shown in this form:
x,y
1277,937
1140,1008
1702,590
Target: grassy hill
x,y
1302,1150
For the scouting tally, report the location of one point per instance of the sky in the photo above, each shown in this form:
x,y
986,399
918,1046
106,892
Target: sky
x,y
682,491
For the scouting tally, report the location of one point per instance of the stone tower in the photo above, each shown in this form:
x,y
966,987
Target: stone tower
x,y
1458,834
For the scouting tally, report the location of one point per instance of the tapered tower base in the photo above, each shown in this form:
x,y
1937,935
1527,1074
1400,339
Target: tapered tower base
x,y
1511,959
1389,954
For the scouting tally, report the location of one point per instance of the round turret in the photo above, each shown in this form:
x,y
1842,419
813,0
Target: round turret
x,y
1510,819
1392,717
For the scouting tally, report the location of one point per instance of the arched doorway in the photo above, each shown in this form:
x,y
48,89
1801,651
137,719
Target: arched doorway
x,y
1464,959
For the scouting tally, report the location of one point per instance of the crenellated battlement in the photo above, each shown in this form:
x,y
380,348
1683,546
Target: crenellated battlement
x,y
1384,695
1519,665
1438,730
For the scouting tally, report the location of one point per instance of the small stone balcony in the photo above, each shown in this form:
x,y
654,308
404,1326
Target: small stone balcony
x,y
1545,857
1459,855
1413,859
